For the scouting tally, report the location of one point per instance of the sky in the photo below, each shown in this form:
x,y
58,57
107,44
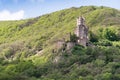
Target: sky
x,y
22,9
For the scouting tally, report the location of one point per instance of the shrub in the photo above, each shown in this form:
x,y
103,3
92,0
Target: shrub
x,y
110,35
104,43
93,37
78,50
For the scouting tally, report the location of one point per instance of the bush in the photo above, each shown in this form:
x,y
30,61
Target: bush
x,y
104,43
110,35
106,76
78,50
93,37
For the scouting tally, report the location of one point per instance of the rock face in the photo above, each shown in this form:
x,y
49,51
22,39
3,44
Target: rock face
x,y
81,32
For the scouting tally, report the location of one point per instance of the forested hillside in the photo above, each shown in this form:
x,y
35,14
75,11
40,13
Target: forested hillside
x,y
26,46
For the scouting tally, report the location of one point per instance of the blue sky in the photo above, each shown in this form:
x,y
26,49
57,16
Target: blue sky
x,y
19,9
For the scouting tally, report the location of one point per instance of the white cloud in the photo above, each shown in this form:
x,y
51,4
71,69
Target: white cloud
x,y
7,15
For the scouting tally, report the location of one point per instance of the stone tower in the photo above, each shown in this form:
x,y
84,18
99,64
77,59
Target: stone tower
x,y
81,32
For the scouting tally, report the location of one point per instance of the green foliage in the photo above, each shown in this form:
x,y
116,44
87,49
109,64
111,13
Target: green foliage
x,y
26,46
76,50
105,43
110,35
73,38
93,37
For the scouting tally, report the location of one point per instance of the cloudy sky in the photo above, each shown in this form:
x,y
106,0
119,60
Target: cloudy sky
x,y
21,9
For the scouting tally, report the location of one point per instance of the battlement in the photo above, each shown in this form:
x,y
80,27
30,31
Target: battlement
x,y
80,21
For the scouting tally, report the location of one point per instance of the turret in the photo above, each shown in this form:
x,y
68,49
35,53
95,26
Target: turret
x,y
80,21
81,31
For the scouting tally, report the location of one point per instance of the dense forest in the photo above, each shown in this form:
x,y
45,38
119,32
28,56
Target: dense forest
x,y
26,46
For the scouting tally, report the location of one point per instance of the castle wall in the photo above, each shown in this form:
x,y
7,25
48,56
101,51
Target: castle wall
x,y
70,45
60,44
83,41
81,32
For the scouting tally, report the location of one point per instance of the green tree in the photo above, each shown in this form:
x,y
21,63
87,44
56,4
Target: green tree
x,y
110,35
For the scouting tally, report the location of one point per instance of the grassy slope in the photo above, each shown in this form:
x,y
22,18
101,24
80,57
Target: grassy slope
x,y
58,23
21,39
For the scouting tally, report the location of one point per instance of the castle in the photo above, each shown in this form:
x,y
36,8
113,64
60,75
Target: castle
x,y
81,32
80,36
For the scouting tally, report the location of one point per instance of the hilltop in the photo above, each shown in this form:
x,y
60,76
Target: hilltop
x,y
26,46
